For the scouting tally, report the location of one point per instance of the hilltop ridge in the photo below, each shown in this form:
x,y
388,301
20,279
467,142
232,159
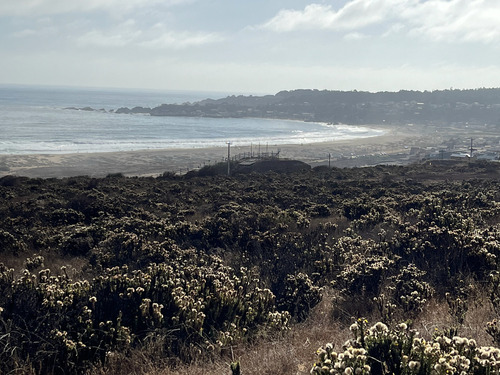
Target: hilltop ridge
x,y
475,106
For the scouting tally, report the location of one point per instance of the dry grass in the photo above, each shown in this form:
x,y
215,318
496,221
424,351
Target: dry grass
x,y
293,353
436,316
480,313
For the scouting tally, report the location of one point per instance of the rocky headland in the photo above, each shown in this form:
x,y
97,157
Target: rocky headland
x,y
446,107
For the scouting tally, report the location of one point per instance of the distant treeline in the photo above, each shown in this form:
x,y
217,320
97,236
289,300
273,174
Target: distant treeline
x,y
475,106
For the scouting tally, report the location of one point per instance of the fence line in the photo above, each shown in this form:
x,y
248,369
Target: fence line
x,y
236,158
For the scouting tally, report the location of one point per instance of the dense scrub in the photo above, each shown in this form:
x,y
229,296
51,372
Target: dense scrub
x,y
93,267
400,350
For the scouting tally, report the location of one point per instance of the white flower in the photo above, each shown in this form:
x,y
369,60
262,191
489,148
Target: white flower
x,y
414,365
381,327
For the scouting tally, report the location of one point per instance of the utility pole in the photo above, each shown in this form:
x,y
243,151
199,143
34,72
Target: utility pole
x,y
471,151
329,157
228,158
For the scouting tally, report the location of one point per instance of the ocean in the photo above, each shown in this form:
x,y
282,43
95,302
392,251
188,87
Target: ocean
x,y
36,120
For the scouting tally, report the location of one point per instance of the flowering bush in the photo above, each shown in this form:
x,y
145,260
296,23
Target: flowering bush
x,y
59,322
203,263
407,293
299,296
381,350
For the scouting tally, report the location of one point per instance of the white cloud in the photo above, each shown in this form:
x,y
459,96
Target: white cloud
x,y
48,7
170,39
455,20
121,36
394,29
355,36
157,37
40,28
439,20
25,33
355,14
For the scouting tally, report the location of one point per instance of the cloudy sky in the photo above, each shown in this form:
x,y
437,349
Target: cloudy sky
x,y
251,46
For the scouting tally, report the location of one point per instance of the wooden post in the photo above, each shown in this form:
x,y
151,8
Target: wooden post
x,y
228,158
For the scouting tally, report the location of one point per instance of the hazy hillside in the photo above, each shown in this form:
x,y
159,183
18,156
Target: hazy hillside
x,y
478,106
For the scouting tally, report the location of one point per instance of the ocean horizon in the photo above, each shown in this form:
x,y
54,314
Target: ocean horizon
x,y
37,120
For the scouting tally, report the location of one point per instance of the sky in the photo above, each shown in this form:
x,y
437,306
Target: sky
x,y
251,46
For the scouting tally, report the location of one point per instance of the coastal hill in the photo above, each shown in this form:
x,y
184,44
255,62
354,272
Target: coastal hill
x,y
474,106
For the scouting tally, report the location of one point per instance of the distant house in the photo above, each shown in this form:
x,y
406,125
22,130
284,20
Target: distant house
x,y
441,155
460,155
488,156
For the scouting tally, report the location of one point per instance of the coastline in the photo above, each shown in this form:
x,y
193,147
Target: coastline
x,y
156,162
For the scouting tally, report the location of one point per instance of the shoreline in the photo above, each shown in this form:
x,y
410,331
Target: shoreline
x,y
301,137
156,162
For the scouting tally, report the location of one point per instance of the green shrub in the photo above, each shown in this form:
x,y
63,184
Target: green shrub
x,y
299,296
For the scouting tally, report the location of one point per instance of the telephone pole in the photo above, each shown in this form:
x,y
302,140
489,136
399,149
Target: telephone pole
x,y
228,158
471,151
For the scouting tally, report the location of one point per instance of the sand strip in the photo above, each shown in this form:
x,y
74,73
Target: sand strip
x,y
156,162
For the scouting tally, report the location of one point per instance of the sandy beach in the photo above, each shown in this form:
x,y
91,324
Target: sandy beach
x,y
353,152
